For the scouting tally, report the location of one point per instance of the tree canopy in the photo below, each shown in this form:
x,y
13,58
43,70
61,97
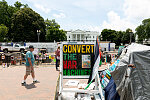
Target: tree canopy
x,y
22,23
6,12
143,30
3,32
53,31
117,37
25,23
108,35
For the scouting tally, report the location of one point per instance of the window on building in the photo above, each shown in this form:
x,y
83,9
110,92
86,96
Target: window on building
x,y
74,37
78,37
82,37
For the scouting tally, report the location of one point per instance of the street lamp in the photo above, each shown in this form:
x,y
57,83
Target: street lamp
x,y
130,31
86,38
69,38
38,34
101,38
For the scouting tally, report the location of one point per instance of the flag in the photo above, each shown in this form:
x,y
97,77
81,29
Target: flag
x,y
96,63
100,57
108,85
110,91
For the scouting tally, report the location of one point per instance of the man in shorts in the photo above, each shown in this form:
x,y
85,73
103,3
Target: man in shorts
x,y
29,65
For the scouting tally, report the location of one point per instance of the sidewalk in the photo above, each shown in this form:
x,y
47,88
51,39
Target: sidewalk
x,y
11,89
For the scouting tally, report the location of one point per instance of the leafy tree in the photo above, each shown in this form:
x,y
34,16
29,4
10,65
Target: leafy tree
x,y
6,12
140,33
18,5
112,36
25,23
146,24
126,36
133,37
143,31
53,31
117,37
3,32
108,35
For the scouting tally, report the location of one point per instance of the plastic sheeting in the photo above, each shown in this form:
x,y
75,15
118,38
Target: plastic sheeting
x,y
110,91
133,83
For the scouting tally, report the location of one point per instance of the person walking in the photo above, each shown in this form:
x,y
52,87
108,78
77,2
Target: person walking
x,y
29,65
57,57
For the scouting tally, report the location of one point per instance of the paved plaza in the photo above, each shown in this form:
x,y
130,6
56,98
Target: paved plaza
x,y
11,88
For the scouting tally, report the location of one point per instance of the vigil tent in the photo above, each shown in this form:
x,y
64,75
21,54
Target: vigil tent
x,y
133,83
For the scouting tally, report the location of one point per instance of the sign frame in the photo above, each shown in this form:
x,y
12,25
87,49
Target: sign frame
x,y
97,89
61,60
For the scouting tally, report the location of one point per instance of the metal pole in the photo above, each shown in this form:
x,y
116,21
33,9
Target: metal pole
x,y
130,31
38,37
130,37
38,33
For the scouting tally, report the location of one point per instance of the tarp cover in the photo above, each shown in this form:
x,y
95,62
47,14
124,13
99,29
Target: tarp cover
x,y
133,83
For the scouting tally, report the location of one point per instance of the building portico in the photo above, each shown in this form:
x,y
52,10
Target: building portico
x,y
79,35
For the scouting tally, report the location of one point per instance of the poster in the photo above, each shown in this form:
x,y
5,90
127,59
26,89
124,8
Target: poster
x,y
86,61
77,59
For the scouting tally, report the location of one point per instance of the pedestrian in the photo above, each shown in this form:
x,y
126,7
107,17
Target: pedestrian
x,y
29,65
57,57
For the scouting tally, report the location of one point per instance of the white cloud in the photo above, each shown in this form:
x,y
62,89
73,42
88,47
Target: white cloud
x,y
61,15
116,23
131,16
94,28
42,8
137,10
89,5
134,12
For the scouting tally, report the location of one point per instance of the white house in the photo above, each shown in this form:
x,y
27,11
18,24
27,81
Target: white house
x,y
80,35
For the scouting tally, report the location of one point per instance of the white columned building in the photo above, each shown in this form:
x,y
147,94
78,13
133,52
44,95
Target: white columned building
x,y
79,35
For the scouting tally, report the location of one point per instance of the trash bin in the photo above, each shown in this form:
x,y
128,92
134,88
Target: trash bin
x,y
43,59
12,60
47,59
108,57
102,58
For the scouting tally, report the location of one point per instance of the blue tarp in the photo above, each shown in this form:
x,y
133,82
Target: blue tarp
x,y
110,91
112,68
108,83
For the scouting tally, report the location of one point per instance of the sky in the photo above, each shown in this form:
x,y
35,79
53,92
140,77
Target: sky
x,y
92,15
